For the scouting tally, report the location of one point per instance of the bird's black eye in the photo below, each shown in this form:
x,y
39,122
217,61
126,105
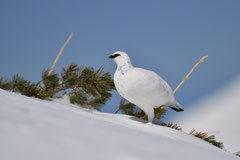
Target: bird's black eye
x,y
114,56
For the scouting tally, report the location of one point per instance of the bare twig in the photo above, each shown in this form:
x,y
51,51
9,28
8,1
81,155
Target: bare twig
x,y
59,54
121,104
55,61
187,76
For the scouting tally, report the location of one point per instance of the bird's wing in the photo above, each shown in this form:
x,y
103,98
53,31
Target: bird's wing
x,y
149,82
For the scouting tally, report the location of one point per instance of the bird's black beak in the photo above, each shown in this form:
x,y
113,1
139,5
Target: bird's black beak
x,y
111,57
114,56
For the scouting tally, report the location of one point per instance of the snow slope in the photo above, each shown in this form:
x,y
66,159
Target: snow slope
x,y
218,114
33,129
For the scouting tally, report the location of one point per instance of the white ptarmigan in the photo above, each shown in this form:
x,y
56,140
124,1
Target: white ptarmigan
x,y
142,87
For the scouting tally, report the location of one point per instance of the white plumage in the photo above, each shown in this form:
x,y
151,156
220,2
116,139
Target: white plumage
x,y
142,87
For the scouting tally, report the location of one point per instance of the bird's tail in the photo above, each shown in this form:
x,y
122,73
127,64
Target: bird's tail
x,y
176,107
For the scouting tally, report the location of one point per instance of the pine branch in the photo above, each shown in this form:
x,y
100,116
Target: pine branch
x,y
84,85
174,126
204,135
64,88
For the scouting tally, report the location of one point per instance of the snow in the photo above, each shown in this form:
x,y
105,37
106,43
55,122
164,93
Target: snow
x,y
217,114
57,130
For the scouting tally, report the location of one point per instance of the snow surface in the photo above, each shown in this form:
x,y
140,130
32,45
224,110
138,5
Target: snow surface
x,y
218,114
33,129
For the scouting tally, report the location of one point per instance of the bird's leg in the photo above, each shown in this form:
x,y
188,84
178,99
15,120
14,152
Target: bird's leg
x,y
150,121
150,113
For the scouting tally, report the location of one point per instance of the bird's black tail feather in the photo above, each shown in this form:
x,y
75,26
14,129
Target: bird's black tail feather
x,y
176,107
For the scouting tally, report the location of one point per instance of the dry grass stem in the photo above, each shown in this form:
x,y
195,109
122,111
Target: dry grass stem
x,y
59,54
194,67
187,76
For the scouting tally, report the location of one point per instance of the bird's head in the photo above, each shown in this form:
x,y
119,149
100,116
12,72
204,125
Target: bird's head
x,y
121,58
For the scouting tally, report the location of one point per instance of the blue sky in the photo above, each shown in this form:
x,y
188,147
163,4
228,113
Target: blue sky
x,y
168,37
